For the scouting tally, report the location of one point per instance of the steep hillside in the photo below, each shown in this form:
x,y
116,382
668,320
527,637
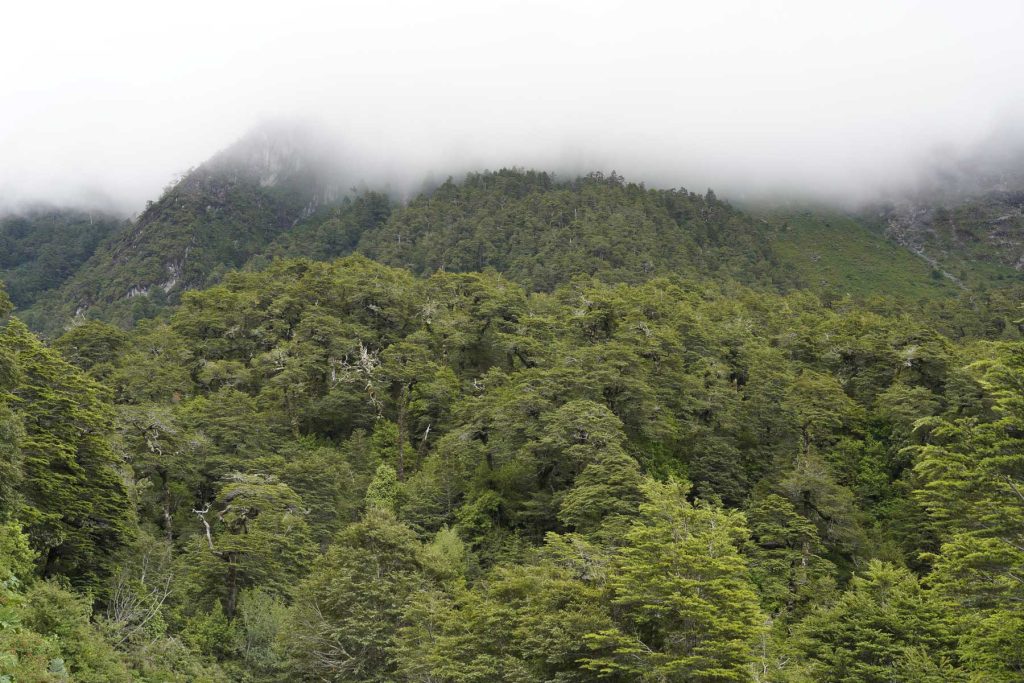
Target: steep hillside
x,y
965,216
334,231
42,247
837,254
275,194
215,219
972,240
782,426
341,457
541,232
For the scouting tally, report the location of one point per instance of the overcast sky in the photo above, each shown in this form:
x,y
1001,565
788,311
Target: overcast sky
x,y
103,98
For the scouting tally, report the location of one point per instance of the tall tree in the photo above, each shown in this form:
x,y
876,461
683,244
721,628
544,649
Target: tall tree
x,y
682,600
348,609
75,505
254,534
971,471
877,630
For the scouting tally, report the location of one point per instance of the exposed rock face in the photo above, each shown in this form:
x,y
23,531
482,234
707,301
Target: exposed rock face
x,y
966,210
987,228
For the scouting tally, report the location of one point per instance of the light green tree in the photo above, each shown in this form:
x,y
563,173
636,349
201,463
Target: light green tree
x,y
684,606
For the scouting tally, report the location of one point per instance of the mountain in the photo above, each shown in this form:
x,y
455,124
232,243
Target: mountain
x,y
542,232
214,219
650,434
971,239
837,254
277,193
965,216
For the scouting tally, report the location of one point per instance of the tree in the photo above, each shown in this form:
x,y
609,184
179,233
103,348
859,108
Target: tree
x,y
11,472
786,558
523,623
821,408
604,497
815,494
75,505
254,534
167,460
330,487
92,343
382,493
971,473
682,601
876,630
348,609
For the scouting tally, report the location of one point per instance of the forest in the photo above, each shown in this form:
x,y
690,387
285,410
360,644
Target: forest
x,y
514,429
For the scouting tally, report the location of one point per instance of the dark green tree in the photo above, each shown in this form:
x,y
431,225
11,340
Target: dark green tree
x,y
74,503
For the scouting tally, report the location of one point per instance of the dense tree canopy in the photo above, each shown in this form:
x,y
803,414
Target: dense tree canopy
x,y
588,431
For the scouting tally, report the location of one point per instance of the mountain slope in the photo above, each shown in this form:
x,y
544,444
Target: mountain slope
x,y
215,219
965,216
42,247
973,240
541,232
836,254
275,194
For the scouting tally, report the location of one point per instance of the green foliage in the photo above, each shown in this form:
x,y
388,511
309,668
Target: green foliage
x,y
337,234
41,248
16,557
472,458
327,482
526,623
347,471
542,232
11,433
972,472
254,535
153,367
5,302
685,608
212,634
836,253
877,631
55,613
348,609
91,343
73,500
382,494
215,218
787,560
604,496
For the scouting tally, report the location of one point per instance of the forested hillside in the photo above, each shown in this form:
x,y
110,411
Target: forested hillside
x,y
215,218
41,247
409,384
538,231
345,471
516,428
541,232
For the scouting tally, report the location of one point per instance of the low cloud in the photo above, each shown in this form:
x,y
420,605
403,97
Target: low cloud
x,y
107,102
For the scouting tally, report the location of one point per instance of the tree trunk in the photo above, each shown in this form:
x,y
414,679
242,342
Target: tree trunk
x,y
402,417
232,600
168,523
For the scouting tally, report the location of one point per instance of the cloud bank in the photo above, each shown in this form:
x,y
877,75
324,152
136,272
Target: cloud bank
x,y
108,101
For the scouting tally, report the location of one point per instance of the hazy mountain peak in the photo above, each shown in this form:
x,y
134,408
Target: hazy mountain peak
x,y
282,153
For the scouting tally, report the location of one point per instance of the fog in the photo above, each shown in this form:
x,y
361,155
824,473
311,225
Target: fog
x,y
106,102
